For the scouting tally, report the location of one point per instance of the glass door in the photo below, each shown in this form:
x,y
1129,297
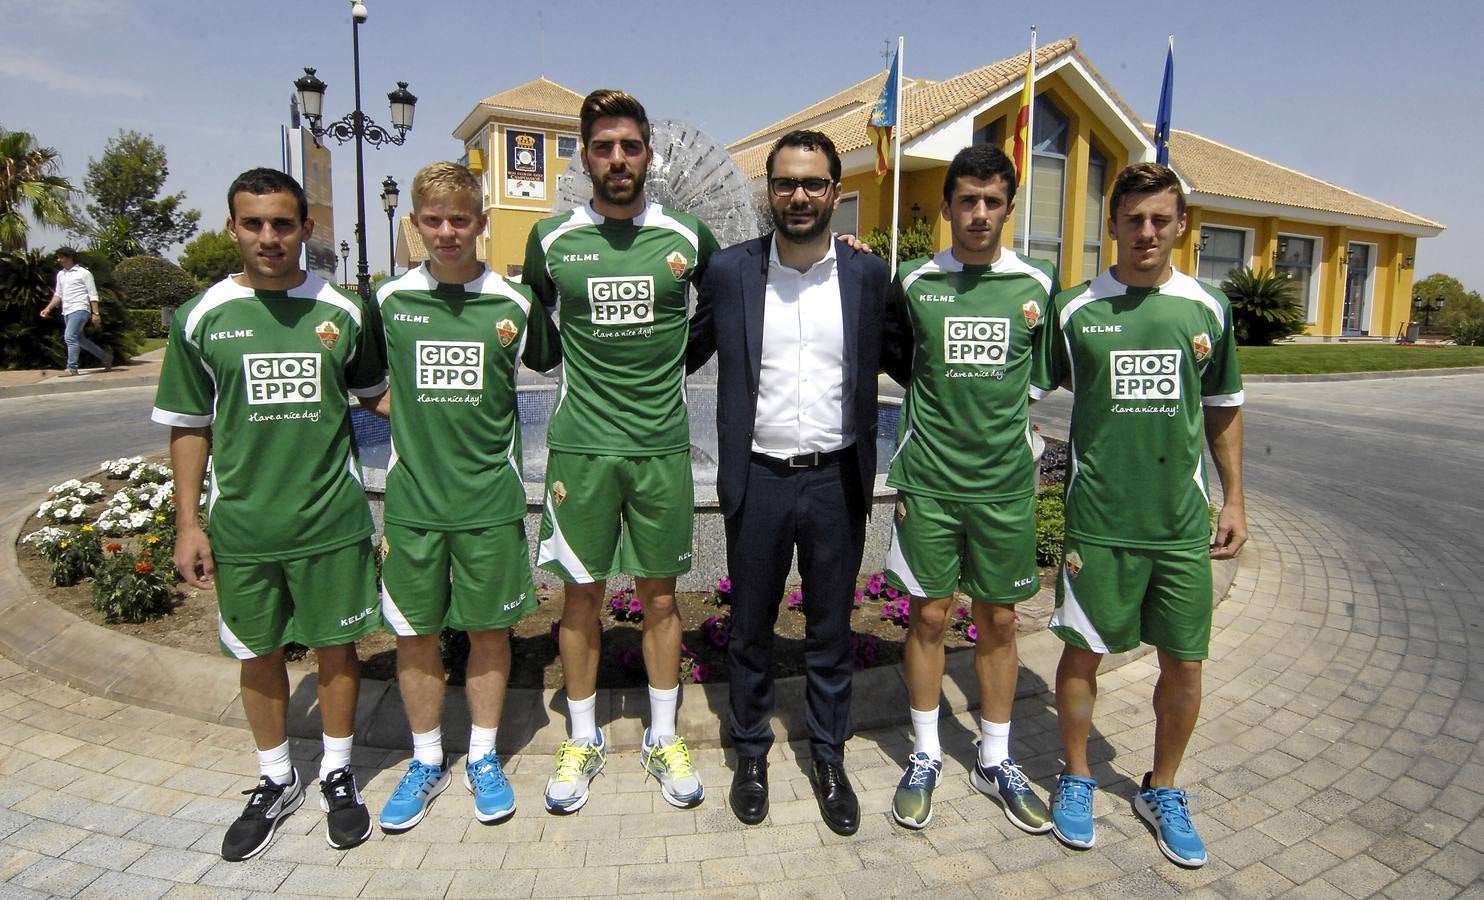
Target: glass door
x,y
1357,278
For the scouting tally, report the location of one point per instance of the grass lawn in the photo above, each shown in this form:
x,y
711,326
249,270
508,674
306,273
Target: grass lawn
x,y
1319,359
148,344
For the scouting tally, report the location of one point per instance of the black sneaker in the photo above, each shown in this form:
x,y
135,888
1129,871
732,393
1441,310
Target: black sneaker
x,y
347,822
268,805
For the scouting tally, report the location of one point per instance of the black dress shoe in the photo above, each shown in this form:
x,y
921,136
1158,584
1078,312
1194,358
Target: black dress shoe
x,y
837,803
749,795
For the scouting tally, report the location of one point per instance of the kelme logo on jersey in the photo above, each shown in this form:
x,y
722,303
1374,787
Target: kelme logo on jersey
x,y
506,331
1032,311
1201,344
626,300
976,340
328,334
559,492
1145,374
281,377
450,365
678,264
1073,562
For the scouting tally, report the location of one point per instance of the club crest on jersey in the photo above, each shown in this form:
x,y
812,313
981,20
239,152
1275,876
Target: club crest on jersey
x,y
506,331
678,264
1073,562
1201,344
1032,311
328,334
559,492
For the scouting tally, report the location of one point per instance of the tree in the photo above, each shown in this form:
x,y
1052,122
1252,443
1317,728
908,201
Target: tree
x,y
149,282
1265,306
124,188
211,256
29,188
1458,303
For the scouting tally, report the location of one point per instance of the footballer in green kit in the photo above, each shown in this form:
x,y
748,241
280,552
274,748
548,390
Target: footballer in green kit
x,y
454,335
618,494
1149,355
256,376
965,469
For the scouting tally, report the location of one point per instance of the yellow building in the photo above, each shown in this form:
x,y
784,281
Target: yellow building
x,y
1351,256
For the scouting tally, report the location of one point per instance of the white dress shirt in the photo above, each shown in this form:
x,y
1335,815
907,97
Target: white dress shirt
x,y
75,287
801,386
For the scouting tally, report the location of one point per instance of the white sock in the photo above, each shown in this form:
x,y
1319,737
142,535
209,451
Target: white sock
x,y
994,744
925,732
584,715
481,742
337,754
427,748
275,764
662,712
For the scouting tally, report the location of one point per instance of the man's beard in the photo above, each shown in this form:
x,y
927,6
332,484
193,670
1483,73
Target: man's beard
x,y
796,235
625,196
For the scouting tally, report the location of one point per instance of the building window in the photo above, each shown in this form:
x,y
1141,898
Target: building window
x,y
1222,250
566,146
1295,261
846,219
992,133
1045,206
1092,228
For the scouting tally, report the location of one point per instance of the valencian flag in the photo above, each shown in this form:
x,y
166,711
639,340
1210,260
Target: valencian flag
x,y
884,118
1162,121
1023,118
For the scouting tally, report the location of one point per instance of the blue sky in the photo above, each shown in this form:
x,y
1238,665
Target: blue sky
x,y
1351,92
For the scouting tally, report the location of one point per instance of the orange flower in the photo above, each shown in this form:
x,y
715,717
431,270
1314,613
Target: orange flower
x,y
152,539
114,548
144,568
146,554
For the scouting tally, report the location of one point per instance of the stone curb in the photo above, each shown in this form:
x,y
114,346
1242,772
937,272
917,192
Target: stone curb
x,y
1363,376
77,385
56,644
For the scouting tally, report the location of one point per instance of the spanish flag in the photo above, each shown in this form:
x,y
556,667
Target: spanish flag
x,y
884,119
1023,118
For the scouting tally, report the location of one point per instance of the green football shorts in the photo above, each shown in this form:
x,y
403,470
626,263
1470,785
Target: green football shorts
x,y
605,514
985,549
1108,599
472,580
319,601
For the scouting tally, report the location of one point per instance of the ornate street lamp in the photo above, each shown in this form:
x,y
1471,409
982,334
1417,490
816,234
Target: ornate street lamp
x,y
344,264
389,196
356,126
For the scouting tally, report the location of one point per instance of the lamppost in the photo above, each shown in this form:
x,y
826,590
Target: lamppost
x,y
1425,308
357,126
344,264
389,203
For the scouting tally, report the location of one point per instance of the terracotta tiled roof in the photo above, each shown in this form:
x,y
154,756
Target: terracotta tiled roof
x,y
925,105
1214,168
540,95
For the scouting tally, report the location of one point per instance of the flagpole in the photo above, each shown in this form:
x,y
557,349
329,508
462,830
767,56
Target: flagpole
x,y
896,166
1030,135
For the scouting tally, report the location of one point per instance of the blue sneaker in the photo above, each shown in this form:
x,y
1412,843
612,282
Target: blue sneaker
x,y
414,794
1071,811
1166,812
493,797
912,804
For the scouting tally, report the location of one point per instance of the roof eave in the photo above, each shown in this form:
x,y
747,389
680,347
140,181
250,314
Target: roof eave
x,y
480,115
1264,209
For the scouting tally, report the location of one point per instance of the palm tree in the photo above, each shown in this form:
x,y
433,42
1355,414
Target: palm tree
x,y
1264,304
29,187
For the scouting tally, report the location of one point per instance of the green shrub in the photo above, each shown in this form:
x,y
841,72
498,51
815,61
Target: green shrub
x,y
147,323
130,588
150,282
1050,524
1265,306
913,241
75,556
1469,333
28,341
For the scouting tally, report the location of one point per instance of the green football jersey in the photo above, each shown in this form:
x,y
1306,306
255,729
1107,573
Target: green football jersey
x,y
619,288
965,429
1141,363
268,372
451,353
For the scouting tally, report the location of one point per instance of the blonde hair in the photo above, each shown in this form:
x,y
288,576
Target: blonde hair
x,y
440,178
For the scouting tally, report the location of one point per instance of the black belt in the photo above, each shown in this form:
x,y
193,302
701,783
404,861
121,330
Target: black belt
x,y
802,461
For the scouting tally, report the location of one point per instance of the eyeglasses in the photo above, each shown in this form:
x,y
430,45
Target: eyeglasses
x,y
785,187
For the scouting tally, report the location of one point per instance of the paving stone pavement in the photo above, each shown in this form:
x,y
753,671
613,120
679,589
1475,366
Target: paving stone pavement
x,y
1338,755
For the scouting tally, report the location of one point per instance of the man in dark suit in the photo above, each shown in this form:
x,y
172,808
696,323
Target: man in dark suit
x,y
796,320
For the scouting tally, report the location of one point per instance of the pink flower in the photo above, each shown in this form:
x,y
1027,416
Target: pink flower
x,y
973,633
893,593
698,673
635,606
795,600
724,586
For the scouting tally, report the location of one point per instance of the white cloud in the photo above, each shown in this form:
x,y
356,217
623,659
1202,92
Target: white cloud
x,y
63,77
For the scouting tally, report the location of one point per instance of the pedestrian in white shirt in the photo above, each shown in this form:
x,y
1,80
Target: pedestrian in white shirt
x,y
78,296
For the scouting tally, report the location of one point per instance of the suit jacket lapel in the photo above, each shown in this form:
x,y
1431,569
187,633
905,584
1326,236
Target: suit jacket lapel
x,y
850,303
754,290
